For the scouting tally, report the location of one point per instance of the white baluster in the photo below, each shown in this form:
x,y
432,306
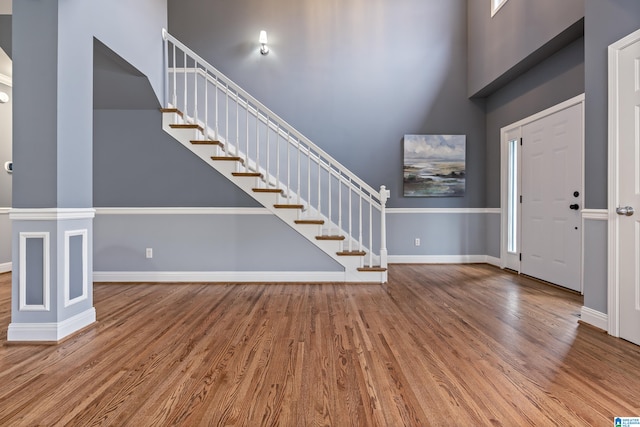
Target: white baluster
x,y
175,85
370,231
186,110
384,196
195,92
298,163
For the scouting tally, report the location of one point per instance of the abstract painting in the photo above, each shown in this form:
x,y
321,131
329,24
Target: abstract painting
x,y
434,165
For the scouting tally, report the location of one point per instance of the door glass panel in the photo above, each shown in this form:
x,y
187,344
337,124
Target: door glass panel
x,y
512,211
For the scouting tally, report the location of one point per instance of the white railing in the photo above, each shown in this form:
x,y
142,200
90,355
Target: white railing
x,y
267,144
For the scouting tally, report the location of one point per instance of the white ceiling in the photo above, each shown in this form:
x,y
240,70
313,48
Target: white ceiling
x,y
5,7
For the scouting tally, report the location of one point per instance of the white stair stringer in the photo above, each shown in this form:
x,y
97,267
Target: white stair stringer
x,y
351,264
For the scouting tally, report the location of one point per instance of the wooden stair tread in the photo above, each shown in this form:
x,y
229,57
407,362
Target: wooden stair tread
x,y
185,126
205,142
247,174
325,237
267,190
228,158
351,253
281,206
171,110
309,221
375,268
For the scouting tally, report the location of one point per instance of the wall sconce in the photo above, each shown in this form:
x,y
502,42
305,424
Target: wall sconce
x,y
263,41
4,98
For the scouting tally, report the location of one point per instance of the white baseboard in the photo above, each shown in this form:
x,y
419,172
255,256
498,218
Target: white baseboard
x,y
219,276
444,259
594,318
5,267
51,332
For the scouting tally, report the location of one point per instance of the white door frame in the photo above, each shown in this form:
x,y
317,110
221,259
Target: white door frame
x,y
613,285
504,172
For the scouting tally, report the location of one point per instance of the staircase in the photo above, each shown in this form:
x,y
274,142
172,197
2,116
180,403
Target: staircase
x,y
275,164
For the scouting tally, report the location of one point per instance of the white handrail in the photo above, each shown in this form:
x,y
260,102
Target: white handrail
x,y
253,113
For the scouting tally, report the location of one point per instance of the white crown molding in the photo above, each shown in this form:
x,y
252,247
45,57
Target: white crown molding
x,y
219,276
443,210
6,80
183,211
50,332
444,259
51,214
595,214
5,267
594,318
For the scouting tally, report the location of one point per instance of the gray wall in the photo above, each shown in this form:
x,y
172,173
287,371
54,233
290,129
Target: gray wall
x,y
605,23
354,77
510,39
137,164
595,265
60,104
203,243
5,33
556,79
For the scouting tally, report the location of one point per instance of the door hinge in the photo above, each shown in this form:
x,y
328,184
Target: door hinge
x,y
520,141
520,199
520,256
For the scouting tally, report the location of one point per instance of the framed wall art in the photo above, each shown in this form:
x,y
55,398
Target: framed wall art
x,y
434,165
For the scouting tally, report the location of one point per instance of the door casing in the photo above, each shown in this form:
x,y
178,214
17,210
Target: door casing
x,y
613,285
508,133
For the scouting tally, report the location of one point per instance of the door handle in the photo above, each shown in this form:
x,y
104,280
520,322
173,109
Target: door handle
x,y
625,210
574,207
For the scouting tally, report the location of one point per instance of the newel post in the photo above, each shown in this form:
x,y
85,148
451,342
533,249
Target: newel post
x,y
384,195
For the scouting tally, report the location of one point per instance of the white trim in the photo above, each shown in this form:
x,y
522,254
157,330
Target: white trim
x,y
6,80
595,318
443,259
183,211
5,267
85,254
595,214
613,285
494,8
219,276
576,100
51,214
46,262
443,210
52,331
5,211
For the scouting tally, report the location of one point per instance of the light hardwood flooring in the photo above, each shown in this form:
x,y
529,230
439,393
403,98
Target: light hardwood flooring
x,y
438,346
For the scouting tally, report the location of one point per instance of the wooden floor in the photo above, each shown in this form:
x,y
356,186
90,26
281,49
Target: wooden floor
x,y
440,346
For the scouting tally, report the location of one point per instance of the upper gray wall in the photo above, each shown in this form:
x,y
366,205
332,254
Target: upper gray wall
x,y
551,82
605,23
5,33
354,77
519,29
53,115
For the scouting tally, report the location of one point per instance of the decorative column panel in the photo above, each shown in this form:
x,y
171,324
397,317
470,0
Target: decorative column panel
x,y
52,292
52,213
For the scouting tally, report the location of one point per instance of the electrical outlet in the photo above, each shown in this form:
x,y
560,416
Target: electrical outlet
x,y
417,241
149,253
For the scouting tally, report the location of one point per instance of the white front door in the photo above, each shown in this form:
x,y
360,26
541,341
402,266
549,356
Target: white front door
x,y
628,197
551,244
